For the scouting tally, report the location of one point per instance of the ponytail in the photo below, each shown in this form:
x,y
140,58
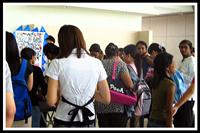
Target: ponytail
x,y
138,64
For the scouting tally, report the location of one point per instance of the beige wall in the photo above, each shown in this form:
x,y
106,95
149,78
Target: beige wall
x,y
97,27
101,36
170,31
146,36
104,36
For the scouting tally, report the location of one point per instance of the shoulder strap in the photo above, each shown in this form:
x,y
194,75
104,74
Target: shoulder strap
x,y
132,70
22,69
141,75
23,65
114,68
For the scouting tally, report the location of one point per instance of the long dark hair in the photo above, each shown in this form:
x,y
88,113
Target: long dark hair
x,y
161,61
12,54
70,37
132,50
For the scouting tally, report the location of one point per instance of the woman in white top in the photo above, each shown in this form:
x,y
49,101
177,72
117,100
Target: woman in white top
x,y
187,69
77,74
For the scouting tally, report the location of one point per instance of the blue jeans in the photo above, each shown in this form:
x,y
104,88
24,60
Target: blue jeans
x,y
36,116
151,124
90,126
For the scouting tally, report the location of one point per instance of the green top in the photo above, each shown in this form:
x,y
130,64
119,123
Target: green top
x,y
159,97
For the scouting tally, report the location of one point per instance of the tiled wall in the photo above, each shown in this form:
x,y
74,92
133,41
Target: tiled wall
x,y
170,31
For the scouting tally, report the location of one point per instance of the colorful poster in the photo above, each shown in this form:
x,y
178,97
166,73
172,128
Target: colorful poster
x,y
32,40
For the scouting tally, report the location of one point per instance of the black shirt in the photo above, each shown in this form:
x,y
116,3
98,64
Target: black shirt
x,y
29,70
38,79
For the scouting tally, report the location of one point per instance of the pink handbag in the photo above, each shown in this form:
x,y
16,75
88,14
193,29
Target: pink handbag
x,y
127,97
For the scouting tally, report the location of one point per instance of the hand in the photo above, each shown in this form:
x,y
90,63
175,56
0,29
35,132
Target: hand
x,y
174,110
145,54
151,71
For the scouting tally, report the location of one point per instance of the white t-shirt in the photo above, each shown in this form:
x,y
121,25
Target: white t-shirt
x,y
9,87
187,70
77,78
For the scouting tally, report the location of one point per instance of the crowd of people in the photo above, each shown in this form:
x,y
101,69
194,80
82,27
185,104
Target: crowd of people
x,y
76,82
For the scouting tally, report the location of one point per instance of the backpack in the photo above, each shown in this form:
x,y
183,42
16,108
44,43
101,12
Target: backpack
x,y
21,96
142,90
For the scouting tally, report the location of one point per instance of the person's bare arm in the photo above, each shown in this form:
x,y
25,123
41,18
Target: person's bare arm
x,y
10,109
169,104
149,60
103,94
126,78
52,92
29,82
184,98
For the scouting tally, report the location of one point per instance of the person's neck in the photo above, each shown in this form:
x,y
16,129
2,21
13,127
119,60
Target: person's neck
x,y
113,58
131,60
184,57
32,62
168,74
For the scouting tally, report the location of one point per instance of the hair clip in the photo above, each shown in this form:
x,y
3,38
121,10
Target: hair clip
x,y
160,46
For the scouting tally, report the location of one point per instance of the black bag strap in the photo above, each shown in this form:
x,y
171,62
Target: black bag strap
x,y
85,111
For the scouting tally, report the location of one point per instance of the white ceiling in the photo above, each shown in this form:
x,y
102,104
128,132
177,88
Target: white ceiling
x,y
167,9
143,9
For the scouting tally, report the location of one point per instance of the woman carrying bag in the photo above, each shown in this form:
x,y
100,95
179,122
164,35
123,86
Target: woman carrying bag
x,y
113,114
